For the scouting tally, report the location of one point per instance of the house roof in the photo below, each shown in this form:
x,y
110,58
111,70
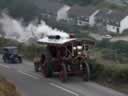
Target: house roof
x,y
112,17
115,17
103,13
77,10
49,6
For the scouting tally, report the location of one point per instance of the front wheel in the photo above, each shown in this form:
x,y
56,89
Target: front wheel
x,y
63,73
86,72
17,59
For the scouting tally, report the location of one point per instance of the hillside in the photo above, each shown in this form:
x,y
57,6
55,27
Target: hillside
x,y
27,9
20,9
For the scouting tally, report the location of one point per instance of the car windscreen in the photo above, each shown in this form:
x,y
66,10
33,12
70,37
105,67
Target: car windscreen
x,y
13,51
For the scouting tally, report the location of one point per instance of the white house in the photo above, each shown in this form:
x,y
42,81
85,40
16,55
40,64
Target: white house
x,y
112,20
117,22
82,16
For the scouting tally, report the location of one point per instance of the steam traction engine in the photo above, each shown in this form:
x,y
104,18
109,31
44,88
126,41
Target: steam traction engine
x,y
65,56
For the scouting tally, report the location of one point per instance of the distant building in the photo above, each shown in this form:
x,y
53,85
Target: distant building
x,y
117,21
82,16
114,21
101,16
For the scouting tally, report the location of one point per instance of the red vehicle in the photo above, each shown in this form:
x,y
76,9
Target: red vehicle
x,y
67,57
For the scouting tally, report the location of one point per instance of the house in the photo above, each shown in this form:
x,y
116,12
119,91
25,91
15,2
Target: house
x,y
117,21
101,17
113,20
101,20
82,16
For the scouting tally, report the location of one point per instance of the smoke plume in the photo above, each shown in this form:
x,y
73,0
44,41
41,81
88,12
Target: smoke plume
x,y
15,29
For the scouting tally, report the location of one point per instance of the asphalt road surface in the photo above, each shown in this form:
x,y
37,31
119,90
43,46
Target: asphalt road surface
x,y
113,39
30,83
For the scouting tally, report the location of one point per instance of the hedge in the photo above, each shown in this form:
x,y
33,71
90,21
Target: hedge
x,y
109,72
30,51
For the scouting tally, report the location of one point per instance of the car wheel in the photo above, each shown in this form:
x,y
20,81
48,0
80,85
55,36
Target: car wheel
x,y
4,59
20,60
86,72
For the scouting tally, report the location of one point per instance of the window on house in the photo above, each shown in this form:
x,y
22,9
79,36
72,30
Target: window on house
x,y
80,22
86,19
114,27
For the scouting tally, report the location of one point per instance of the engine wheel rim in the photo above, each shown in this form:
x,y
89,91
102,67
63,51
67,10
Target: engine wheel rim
x,y
44,70
63,74
86,72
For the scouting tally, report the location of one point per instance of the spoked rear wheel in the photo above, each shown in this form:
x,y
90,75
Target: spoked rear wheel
x,y
86,71
47,70
63,73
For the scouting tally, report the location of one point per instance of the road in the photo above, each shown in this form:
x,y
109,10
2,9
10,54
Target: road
x,y
30,83
114,39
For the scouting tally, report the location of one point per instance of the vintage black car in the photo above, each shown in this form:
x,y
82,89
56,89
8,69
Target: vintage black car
x,y
10,55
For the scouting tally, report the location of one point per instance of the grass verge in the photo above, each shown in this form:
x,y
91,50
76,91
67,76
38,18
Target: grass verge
x,y
7,88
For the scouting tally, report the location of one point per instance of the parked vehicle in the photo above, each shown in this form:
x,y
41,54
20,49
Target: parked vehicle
x,y
10,55
67,57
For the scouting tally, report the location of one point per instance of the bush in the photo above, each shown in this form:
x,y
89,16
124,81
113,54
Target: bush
x,y
120,74
115,51
109,54
30,51
7,42
95,68
109,73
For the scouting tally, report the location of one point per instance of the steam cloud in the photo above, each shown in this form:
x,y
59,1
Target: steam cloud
x,y
15,29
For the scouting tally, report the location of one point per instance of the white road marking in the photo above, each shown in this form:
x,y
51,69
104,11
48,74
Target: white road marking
x,y
29,64
29,75
5,66
64,89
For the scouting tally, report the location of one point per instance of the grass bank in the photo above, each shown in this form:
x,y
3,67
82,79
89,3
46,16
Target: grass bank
x,y
7,88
